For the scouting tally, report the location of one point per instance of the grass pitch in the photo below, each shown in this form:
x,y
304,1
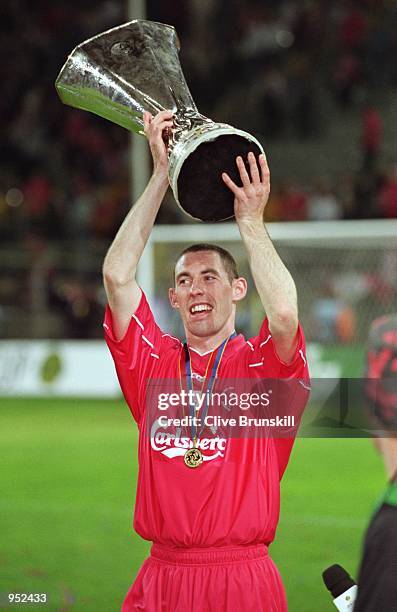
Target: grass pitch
x,y
68,482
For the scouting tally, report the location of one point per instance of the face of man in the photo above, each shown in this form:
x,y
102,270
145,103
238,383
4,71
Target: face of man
x,y
204,294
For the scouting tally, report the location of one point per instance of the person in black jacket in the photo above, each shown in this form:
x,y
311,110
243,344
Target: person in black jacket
x,y
377,581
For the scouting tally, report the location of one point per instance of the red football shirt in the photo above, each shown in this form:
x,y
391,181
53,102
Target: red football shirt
x,y
233,498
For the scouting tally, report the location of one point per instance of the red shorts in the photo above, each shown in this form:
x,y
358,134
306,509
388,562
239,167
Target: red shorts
x,y
230,579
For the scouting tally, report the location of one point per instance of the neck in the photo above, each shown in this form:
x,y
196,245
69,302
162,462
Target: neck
x,y
203,344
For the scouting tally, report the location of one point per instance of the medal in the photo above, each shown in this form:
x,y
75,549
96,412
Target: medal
x,y
194,457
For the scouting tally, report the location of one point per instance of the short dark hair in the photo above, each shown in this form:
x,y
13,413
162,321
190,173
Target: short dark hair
x,y
229,263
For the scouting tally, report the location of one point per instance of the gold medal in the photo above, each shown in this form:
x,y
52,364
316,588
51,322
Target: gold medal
x,y
193,457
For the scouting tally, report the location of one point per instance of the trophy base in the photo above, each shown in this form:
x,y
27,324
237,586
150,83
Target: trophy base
x,y
197,180
201,190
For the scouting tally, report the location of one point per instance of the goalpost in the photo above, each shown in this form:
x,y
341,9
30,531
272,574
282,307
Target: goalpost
x,y
345,272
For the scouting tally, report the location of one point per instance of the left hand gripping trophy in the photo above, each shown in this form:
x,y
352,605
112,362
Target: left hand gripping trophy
x,y
134,68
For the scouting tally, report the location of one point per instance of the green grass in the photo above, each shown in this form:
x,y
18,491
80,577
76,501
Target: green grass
x,y
68,482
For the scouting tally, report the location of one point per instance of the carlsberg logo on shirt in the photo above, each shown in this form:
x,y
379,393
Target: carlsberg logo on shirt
x,y
173,445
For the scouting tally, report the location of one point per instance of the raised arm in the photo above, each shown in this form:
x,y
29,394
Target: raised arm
x,y
122,258
273,281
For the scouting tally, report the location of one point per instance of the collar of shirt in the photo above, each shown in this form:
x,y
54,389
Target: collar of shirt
x,y
199,362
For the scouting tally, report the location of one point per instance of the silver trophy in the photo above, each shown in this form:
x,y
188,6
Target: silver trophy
x,y
134,68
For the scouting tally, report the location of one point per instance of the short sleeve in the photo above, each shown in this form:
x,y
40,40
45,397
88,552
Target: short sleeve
x,y
135,356
264,356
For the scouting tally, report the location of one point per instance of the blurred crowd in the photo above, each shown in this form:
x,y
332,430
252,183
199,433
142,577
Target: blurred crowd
x,y
290,71
282,69
64,172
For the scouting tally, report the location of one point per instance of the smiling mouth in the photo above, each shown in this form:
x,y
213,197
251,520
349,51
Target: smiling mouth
x,y
197,309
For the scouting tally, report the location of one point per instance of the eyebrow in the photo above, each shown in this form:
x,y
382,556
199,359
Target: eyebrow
x,y
207,271
210,271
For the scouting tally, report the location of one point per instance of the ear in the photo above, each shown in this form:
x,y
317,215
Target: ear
x,y
173,297
239,287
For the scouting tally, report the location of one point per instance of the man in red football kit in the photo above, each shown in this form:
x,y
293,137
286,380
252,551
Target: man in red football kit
x,y
210,526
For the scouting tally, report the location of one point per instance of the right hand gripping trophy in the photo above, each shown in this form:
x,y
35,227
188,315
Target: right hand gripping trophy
x,y
134,68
